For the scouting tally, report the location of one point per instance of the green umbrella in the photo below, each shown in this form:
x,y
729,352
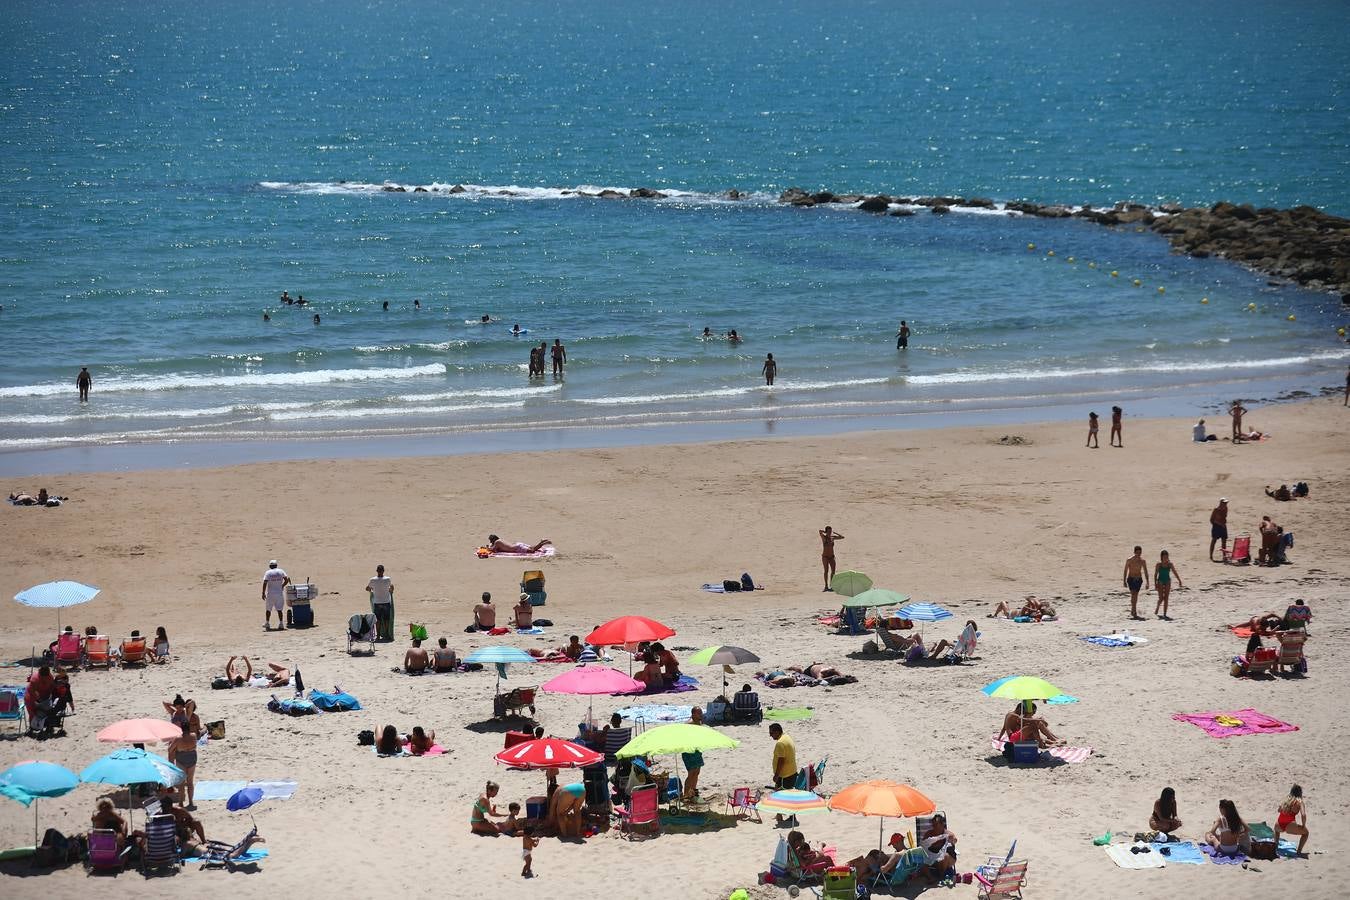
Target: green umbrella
x,y
1022,687
667,739
875,597
850,584
723,656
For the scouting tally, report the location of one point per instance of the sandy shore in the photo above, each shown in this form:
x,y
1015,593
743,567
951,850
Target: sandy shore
x,y
950,516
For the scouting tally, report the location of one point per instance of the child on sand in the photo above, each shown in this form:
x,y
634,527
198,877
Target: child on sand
x,y
1163,571
512,824
527,844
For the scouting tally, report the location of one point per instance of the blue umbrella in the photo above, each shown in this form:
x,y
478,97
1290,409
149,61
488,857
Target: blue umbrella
x,y
57,595
923,612
244,798
501,656
133,766
30,781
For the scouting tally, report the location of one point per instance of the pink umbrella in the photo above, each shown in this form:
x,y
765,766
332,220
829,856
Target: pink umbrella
x,y
139,731
593,680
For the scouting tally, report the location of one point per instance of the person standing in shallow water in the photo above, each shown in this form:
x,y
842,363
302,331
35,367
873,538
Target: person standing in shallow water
x,y
902,336
770,370
559,357
83,382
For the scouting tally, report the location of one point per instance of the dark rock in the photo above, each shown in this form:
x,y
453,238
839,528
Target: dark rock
x,y
646,194
419,190
457,189
793,195
610,194
981,203
1169,208
394,189
849,198
903,213
875,204
941,210
1054,212
940,201
733,194
1023,206
823,197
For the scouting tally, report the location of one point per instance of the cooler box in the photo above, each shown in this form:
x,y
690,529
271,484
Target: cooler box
x,y
532,581
301,614
1026,752
535,808
301,592
537,598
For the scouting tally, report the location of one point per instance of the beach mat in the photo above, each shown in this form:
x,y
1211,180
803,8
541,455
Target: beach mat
x,y
789,714
1061,700
542,552
1240,722
1120,855
222,790
251,855
1220,859
657,712
1064,754
713,589
1182,853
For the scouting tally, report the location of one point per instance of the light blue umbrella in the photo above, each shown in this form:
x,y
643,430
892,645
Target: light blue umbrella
x,y
57,595
29,781
923,612
133,766
501,656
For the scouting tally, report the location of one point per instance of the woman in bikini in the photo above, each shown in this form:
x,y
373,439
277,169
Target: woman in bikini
x,y
1163,571
1024,726
1164,816
827,539
1229,834
183,754
420,741
483,807
1291,809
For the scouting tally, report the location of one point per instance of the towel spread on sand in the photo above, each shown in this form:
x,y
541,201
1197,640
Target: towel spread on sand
x,y
555,655
686,683
1061,699
1180,853
252,854
532,630
1120,854
537,554
789,714
223,790
434,750
657,712
1235,724
1220,859
1064,754
1116,640
713,589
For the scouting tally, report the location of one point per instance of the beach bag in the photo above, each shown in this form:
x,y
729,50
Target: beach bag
x,y
220,683
1266,849
747,583
216,730
418,632
365,738
731,586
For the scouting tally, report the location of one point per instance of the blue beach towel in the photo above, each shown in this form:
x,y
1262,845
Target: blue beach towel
x,y
223,790
1061,699
342,702
658,712
252,854
1107,642
1182,853
534,630
686,683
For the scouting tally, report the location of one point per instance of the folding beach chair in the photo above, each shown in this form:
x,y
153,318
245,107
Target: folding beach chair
x,y
1291,650
745,707
794,871
361,629
840,884
810,777
964,648
911,861
1241,553
218,854
741,802
12,708
642,810
1262,662
161,844
96,652
69,649
1001,878
105,851
133,652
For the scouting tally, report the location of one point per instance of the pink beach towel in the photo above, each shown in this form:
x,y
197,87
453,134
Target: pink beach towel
x,y
1066,754
550,550
1243,721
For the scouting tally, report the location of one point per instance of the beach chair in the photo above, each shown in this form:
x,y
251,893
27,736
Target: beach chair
x,y
745,707
1001,878
615,740
1291,650
1241,552
797,872
810,777
161,845
532,583
641,810
741,802
911,860
964,648
361,629
133,652
1262,662
12,708
840,884
218,854
105,851
69,650
890,642
97,652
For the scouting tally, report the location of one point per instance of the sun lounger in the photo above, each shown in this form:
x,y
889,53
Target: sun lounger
x,y
221,855
161,844
69,650
133,652
361,629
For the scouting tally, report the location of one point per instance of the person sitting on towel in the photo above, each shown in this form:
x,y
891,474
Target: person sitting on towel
x,y
651,670
444,659
670,666
415,661
524,611
573,648
485,614
1021,726
497,545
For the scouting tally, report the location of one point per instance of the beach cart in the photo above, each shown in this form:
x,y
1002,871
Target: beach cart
x,y
299,614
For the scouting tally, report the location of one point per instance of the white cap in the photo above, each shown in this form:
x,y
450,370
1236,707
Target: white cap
x,y
272,564
1223,499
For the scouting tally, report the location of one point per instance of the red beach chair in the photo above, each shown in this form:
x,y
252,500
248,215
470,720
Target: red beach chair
x,y
1241,554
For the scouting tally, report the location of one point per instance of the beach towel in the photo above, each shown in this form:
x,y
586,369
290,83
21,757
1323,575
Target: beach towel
x,y
1120,854
685,683
1235,724
336,702
1116,640
1061,699
789,713
657,712
296,707
533,630
1180,853
1028,620
251,855
713,589
1220,859
537,554
1242,631
1064,754
551,656
223,790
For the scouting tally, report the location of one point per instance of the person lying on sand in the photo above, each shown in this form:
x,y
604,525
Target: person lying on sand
x,y
1032,608
497,545
1020,725
233,677
1266,624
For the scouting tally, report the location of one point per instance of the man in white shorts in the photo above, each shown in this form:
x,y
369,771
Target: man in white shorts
x,y
381,590
274,594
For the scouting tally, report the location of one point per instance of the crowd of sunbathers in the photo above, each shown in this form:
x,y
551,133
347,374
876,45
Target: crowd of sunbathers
x,y
932,858
809,675
1290,629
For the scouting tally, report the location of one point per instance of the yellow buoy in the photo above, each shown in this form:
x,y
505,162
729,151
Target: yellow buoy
x,y
1341,332
1137,282
1070,259
1204,299
1162,290
1114,273
1291,318
1031,246
1251,306
1049,253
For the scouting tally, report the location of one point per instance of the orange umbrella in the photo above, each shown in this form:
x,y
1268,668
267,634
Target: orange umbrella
x,y
139,731
882,798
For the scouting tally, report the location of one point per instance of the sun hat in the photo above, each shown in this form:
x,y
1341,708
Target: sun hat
x,y
272,564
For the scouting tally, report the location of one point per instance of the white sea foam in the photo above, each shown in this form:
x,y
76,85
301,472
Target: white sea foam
x,y
1033,374
502,191
260,379
733,392
373,411
489,393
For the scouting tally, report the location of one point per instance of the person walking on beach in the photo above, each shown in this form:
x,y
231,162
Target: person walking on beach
x,y
83,381
559,357
1218,527
1116,440
381,591
784,763
274,583
1092,431
827,538
770,370
902,336
1236,411
1136,574
1163,571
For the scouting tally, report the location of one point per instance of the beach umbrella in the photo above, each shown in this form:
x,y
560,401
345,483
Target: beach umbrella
x,y
29,781
628,630
501,656
1021,687
723,656
850,584
139,731
548,753
886,799
131,765
592,680
665,740
875,597
243,798
57,595
792,802
923,612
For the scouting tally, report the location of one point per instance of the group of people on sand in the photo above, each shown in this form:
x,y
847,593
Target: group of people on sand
x,y
1031,610
1117,435
1287,628
41,498
931,859
1230,835
72,650
1137,576
562,816
416,742
1023,725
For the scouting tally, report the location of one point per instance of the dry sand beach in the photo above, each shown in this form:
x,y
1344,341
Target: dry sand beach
x,y
950,516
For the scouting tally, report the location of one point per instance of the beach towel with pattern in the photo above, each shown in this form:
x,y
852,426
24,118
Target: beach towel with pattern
x,y
223,790
1064,754
657,712
1223,859
516,554
1235,724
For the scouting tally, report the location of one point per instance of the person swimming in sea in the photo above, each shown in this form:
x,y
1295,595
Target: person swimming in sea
x,y
386,306
266,317
417,304
316,318
733,336
707,333
515,329
486,318
300,300
286,298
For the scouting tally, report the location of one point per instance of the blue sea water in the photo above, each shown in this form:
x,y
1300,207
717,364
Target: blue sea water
x,y
166,170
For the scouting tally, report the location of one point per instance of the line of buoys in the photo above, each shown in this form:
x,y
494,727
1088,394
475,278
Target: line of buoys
x,y
1115,274
1291,317
1049,253
1136,282
1031,246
